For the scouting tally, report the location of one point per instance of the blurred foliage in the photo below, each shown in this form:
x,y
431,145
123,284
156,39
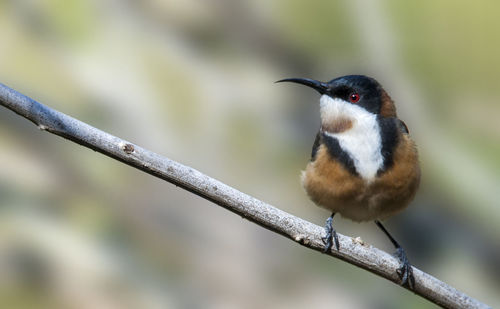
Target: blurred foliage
x,y
450,45
193,80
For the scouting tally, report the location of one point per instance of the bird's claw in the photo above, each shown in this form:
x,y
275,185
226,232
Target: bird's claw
x,y
405,272
331,236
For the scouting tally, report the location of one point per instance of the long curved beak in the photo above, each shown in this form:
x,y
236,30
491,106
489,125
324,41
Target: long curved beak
x,y
316,85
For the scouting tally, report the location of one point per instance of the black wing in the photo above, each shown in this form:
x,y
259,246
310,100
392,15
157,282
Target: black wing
x,y
402,126
389,133
316,144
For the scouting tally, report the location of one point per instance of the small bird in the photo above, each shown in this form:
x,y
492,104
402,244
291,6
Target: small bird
x,y
364,164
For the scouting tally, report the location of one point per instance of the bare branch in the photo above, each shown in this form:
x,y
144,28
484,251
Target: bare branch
x,y
267,216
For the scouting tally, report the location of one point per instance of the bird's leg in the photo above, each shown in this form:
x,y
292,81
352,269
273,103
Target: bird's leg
x,y
331,235
405,272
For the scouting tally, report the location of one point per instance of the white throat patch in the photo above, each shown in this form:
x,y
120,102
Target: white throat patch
x,y
362,141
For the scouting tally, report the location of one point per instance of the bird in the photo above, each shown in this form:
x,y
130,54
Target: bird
x,y
364,164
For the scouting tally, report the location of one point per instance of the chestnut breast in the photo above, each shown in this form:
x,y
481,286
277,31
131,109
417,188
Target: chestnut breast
x,y
332,181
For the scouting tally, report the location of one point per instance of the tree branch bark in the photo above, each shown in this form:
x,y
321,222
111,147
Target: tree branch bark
x,y
265,215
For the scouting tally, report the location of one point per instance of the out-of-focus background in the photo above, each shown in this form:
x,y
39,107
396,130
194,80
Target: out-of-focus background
x,y
193,80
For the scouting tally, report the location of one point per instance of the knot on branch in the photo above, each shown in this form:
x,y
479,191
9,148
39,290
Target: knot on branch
x,y
127,148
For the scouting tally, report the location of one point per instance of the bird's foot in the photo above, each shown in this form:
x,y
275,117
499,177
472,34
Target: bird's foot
x,y
331,236
405,272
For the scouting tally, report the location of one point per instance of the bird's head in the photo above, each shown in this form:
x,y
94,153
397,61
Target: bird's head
x,y
357,90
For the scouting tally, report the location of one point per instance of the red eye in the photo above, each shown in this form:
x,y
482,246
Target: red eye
x,y
354,98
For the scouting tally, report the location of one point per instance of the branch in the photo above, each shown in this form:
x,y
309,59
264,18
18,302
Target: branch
x,y
250,208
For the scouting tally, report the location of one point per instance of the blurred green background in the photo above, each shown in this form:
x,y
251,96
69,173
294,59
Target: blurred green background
x,y
193,80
